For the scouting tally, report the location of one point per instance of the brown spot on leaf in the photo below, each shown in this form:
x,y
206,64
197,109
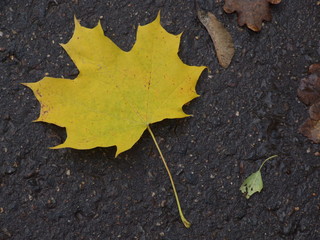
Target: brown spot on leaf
x,y
38,92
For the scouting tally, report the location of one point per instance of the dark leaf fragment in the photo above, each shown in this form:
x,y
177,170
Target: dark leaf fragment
x,y
309,94
311,129
309,89
250,12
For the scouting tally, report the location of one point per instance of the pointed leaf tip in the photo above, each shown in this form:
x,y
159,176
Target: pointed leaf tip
x,y
76,21
28,85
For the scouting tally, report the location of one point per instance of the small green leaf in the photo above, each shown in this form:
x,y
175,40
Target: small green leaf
x,y
252,184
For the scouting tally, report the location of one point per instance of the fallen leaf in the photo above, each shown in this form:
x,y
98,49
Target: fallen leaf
x,y
309,94
220,36
254,183
311,129
314,111
309,88
250,12
117,94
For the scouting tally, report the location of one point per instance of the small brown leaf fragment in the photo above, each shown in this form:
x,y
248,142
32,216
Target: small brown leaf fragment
x,y
314,111
221,38
309,93
311,129
250,12
309,89
315,69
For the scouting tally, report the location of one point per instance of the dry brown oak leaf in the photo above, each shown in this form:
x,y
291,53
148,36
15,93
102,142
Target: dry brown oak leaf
x,y
309,94
250,12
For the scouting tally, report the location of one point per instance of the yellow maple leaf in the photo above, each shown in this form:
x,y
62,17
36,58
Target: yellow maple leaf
x,y
117,94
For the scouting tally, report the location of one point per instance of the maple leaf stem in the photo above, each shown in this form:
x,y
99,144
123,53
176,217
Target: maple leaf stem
x,y
186,223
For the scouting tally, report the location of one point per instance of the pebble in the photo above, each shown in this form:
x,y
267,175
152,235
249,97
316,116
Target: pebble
x,y
51,203
191,178
10,170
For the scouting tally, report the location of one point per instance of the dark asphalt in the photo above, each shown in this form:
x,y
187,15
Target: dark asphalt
x,y
245,114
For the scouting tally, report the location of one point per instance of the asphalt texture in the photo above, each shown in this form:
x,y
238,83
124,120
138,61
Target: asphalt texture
x,y
245,114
